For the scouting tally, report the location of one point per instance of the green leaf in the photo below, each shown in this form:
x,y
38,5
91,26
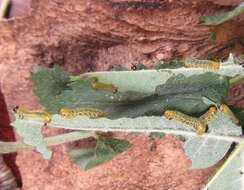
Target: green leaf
x,y
205,151
172,65
136,66
230,174
30,129
142,124
213,36
119,68
106,149
186,93
239,113
236,80
181,89
223,17
144,81
82,157
179,92
50,82
115,105
230,61
208,101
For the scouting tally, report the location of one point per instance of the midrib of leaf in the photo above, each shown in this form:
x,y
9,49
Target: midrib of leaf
x,y
131,125
233,155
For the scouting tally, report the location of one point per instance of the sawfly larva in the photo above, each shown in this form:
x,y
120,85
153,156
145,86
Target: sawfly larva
x,y
95,85
209,115
33,114
187,120
226,110
205,64
89,112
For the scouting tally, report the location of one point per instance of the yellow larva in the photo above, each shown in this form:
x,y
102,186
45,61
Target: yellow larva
x,y
209,115
89,112
205,64
187,120
33,114
226,110
102,86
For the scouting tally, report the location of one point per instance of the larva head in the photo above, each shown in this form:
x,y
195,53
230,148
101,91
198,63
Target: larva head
x,y
201,128
115,90
93,79
66,112
168,114
133,67
15,109
47,117
213,110
223,108
226,110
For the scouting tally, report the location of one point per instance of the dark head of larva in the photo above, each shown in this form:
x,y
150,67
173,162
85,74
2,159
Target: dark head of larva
x,y
93,79
134,65
242,64
15,108
115,90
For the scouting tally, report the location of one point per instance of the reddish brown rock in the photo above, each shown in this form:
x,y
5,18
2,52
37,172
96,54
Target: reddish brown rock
x,y
93,35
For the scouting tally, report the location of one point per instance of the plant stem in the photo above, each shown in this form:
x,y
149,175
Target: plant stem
x,y
236,80
7,147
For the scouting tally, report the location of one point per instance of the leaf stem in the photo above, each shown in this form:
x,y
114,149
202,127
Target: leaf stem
x,y
7,147
236,80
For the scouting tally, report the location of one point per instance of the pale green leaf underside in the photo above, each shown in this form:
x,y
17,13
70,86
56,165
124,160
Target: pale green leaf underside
x,y
82,157
142,124
209,150
204,151
146,80
231,174
30,130
220,125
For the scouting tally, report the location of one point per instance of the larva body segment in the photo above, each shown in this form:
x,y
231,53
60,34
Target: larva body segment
x,y
205,64
226,110
89,112
187,120
95,85
209,115
33,114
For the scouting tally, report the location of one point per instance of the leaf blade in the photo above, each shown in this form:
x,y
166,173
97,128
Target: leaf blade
x,y
223,17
